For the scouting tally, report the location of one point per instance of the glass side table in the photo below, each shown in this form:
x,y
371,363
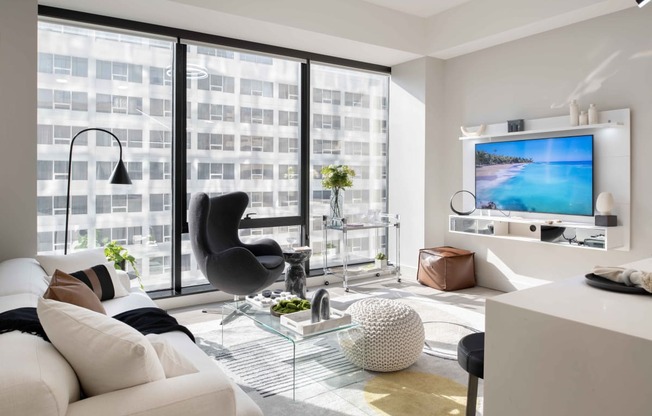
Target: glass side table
x,y
385,221
272,324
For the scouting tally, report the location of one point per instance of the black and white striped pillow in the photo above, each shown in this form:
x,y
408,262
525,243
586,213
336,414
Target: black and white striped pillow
x,y
102,282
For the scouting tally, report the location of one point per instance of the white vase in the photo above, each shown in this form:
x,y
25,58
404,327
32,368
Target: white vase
x,y
380,264
593,114
584,118
574,113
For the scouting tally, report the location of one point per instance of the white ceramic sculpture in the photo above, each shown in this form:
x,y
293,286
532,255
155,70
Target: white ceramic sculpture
x,y
478,132
605,203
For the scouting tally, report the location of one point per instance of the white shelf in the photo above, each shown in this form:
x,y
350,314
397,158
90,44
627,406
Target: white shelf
x,y
540,231
539,131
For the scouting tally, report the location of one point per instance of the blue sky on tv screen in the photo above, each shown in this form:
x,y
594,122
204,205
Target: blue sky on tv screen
x,y
563,149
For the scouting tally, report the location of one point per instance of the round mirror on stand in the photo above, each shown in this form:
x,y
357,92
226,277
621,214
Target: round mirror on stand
x,y
461,199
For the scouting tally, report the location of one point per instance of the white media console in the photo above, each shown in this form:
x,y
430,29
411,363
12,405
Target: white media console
x,y
574,234
612,171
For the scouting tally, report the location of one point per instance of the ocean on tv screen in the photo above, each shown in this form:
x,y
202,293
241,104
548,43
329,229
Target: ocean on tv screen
x,y
553,175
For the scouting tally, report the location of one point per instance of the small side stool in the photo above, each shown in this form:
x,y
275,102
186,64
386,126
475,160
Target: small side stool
x,y
470,356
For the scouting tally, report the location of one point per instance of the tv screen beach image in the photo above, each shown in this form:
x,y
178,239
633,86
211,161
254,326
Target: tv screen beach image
x,y
552,175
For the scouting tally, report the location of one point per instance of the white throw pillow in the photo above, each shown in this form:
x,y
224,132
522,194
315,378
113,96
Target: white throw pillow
x,y
172,361
106,354
79,261
69,263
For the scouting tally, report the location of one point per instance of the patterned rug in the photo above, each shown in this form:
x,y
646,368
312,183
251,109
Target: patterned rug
x,y
266,364
327,384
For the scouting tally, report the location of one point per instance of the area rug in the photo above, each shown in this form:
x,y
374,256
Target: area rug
x,y
266,364
327,384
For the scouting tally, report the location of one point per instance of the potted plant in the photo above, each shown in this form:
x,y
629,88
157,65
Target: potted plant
x,y
120,256
380,261
337,178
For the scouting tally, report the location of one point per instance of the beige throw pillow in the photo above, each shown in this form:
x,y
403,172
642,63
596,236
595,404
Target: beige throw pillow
x,y
172,361
66,288
106,354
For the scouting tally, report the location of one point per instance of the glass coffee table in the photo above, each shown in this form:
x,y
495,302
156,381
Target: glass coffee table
x,y
261,316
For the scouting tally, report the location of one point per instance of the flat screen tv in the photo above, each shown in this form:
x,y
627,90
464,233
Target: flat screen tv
x,y
552,175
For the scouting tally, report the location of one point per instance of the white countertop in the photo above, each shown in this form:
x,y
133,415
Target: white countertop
x,y
573,299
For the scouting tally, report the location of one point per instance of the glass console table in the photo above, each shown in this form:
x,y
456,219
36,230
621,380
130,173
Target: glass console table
x,y
261,316
384,221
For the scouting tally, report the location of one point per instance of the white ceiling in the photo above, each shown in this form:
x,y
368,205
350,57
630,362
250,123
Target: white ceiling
x,y
420,8
385,32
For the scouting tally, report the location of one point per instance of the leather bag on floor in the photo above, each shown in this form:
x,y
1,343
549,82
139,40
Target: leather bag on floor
x,y
446,268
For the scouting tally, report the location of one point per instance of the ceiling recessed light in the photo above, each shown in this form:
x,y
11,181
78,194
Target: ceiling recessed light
x,y
642,3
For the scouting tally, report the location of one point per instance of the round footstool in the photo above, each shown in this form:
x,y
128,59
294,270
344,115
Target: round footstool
x,y
393,335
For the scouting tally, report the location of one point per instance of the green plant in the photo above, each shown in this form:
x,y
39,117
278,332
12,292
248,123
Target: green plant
x,y
381,256
120,256
337,177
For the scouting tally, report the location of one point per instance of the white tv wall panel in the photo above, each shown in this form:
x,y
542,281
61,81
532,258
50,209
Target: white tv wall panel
x,y
611,151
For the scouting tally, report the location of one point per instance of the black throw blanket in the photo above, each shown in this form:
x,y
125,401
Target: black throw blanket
x,y
145,320
152,321
23,320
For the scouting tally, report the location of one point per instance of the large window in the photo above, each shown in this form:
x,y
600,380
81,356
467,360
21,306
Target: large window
x,y
92,78
244,139
250,125
350,143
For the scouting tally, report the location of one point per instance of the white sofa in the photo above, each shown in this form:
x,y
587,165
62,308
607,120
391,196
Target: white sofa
x,y
36,380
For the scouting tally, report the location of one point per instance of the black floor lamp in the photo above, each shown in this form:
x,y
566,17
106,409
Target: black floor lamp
x,y
118,177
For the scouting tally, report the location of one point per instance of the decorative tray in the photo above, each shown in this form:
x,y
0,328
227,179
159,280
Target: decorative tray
x,y
264,302
606,284
301,323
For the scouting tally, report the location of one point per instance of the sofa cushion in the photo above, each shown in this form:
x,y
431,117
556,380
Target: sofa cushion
x,y
78,260
35,379
66,288
106,354
174,364
22,276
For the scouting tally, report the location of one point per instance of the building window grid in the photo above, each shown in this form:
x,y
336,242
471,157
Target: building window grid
x,y
257,144
256,87
256,115
288,145
325,96
214,141
288,91
288,118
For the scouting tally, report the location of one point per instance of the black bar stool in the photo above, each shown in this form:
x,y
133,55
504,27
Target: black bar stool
x,y
470,356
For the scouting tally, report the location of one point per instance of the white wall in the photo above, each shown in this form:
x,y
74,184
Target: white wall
x,y
415,122
17,128
606,61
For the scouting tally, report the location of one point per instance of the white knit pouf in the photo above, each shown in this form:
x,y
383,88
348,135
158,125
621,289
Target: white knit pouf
x,y
393,335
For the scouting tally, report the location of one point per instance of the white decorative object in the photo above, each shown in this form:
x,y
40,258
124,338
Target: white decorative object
x,y
584,118
393,335
380,264
301,323
574,113
605,203
593,114
478,132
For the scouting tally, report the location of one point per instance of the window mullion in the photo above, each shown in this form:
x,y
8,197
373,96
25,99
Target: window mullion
x,y
179,221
